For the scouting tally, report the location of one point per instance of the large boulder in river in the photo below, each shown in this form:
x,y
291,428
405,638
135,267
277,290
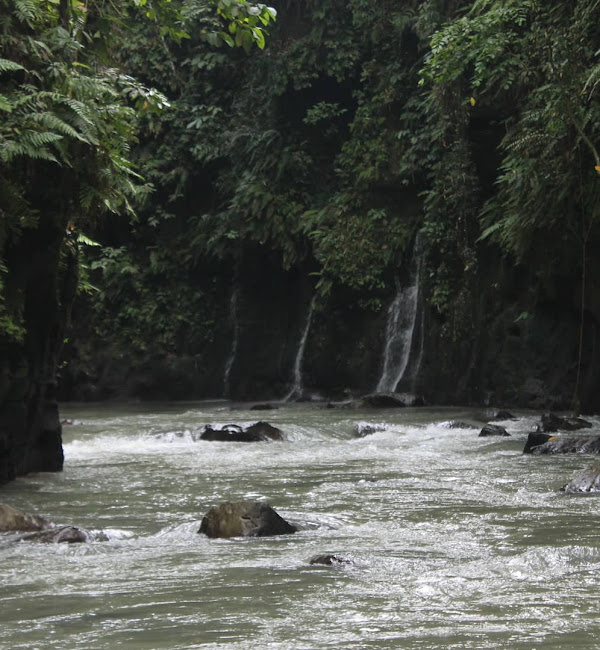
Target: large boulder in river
x,y
587,481
561,444
493,430
535,439
15,520
258,432
60,535
552,423
391,400
244,519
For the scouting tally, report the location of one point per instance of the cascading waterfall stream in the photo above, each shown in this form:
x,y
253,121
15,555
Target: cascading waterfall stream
x,y
297,388
402,317
233,319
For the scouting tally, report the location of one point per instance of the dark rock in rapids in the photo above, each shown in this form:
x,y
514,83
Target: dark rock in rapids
x,y
500,415
346,404
455,424
493,430
265,431
263,407
60,535
331,559
391,400
566,445
14,520
587,481
535,439
552,423
244,519
363,429
258,432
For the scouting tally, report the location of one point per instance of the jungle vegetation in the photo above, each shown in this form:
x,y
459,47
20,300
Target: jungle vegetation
x,y
165,139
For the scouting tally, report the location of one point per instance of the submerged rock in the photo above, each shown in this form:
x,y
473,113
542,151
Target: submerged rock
x,y
363,429
60,535
263,407
258,432
346,404
331,559
587,481
552,423
499,414
455,424
15,520
244,519
493,430
392,400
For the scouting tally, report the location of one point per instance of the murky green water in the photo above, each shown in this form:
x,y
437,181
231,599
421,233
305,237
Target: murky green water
x,y
457,541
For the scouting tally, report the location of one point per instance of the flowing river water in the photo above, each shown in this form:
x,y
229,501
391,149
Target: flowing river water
x,y
457,541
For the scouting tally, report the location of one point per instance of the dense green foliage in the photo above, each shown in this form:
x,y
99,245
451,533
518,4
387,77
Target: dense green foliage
x,y
355,127
70,113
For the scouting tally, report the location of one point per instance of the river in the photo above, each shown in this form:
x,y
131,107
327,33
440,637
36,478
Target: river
x,y
456,541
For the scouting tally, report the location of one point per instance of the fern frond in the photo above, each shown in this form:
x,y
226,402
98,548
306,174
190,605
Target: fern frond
x,y
5,104
593,80
50,121
39,139
9,150
25,10
6,65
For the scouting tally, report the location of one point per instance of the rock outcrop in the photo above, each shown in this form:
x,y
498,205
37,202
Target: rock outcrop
x,y
586,482
540,444
363,429
60,535
244,519
552,423
493,430
15,520
38,529
258,432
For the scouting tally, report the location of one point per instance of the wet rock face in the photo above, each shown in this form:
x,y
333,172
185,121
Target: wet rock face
x,y
60,535
586,482
552,423
363,429
535,439
499,414
455,424
38,529
541,446
258,432
244,519
331,559
13,520
493,430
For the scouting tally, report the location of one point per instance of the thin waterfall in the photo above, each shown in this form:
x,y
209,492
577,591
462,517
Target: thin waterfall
x,y
234,322
417,364
401,320
297,388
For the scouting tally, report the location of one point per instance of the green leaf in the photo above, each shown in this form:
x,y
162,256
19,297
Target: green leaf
x,y
227,38
5,104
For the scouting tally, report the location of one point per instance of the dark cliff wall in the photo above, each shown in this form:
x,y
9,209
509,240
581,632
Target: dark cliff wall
x,y
505,340
43,283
